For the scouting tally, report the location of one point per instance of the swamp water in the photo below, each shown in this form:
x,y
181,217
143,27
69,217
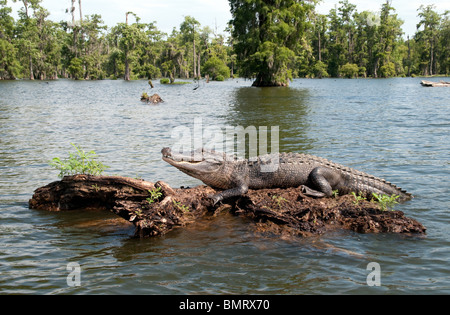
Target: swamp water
x,y
391,128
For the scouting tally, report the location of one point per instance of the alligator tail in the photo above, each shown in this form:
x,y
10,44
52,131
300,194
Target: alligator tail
x,y
366,185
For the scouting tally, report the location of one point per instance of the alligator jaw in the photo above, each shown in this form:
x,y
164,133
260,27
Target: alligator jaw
x,y
189,164
179,160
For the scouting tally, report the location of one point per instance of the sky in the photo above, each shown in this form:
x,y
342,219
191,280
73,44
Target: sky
x,y
213,13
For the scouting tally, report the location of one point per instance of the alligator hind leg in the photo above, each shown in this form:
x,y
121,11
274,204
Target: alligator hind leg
x,y
311,192
324,179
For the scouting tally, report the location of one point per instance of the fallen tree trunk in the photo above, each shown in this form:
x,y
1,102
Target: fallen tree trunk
x,y
156,208
435,84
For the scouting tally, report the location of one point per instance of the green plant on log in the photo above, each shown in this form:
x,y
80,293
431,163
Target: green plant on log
x,y
155,194
180,206
79,162
358,198
278,200
386,202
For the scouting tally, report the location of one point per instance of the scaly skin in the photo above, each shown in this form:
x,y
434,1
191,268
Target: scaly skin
x,y
317,176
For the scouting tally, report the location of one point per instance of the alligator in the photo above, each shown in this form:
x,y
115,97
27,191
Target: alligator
x,y
317,177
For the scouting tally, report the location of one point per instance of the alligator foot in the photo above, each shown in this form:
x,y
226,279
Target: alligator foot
x,y
311,192
215,199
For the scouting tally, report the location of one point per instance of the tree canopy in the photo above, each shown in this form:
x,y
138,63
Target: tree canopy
x,y
269,37
269,41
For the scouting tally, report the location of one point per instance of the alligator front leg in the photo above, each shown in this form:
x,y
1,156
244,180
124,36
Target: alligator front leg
x,y
233,192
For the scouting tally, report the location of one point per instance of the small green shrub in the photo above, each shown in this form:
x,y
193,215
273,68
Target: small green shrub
x,y
164,81
386,202
358,198
79,162
155,194
278,200
180,206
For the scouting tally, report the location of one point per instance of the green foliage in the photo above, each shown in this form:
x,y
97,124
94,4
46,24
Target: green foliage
x,y
349,70
429,33
216,68
386,202
9,65
278,200
270,41
155,194
358,198
79,162
320,70
76,68
164,81
388,70
180,206
268,37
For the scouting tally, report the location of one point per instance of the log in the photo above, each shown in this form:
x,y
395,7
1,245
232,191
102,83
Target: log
x,y
435,84
156,208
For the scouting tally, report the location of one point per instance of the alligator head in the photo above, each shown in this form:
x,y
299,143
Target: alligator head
x,y
206,165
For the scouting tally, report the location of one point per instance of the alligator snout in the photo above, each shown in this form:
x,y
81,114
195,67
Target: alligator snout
x,y
166,152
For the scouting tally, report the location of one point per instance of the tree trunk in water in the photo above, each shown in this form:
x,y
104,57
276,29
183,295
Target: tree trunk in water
x,y
266,80
127,67
195,57
31,67
375,68
198,65
431,57
409,57
320,50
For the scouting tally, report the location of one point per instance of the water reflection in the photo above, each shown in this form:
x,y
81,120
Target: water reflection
x,y
283,107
